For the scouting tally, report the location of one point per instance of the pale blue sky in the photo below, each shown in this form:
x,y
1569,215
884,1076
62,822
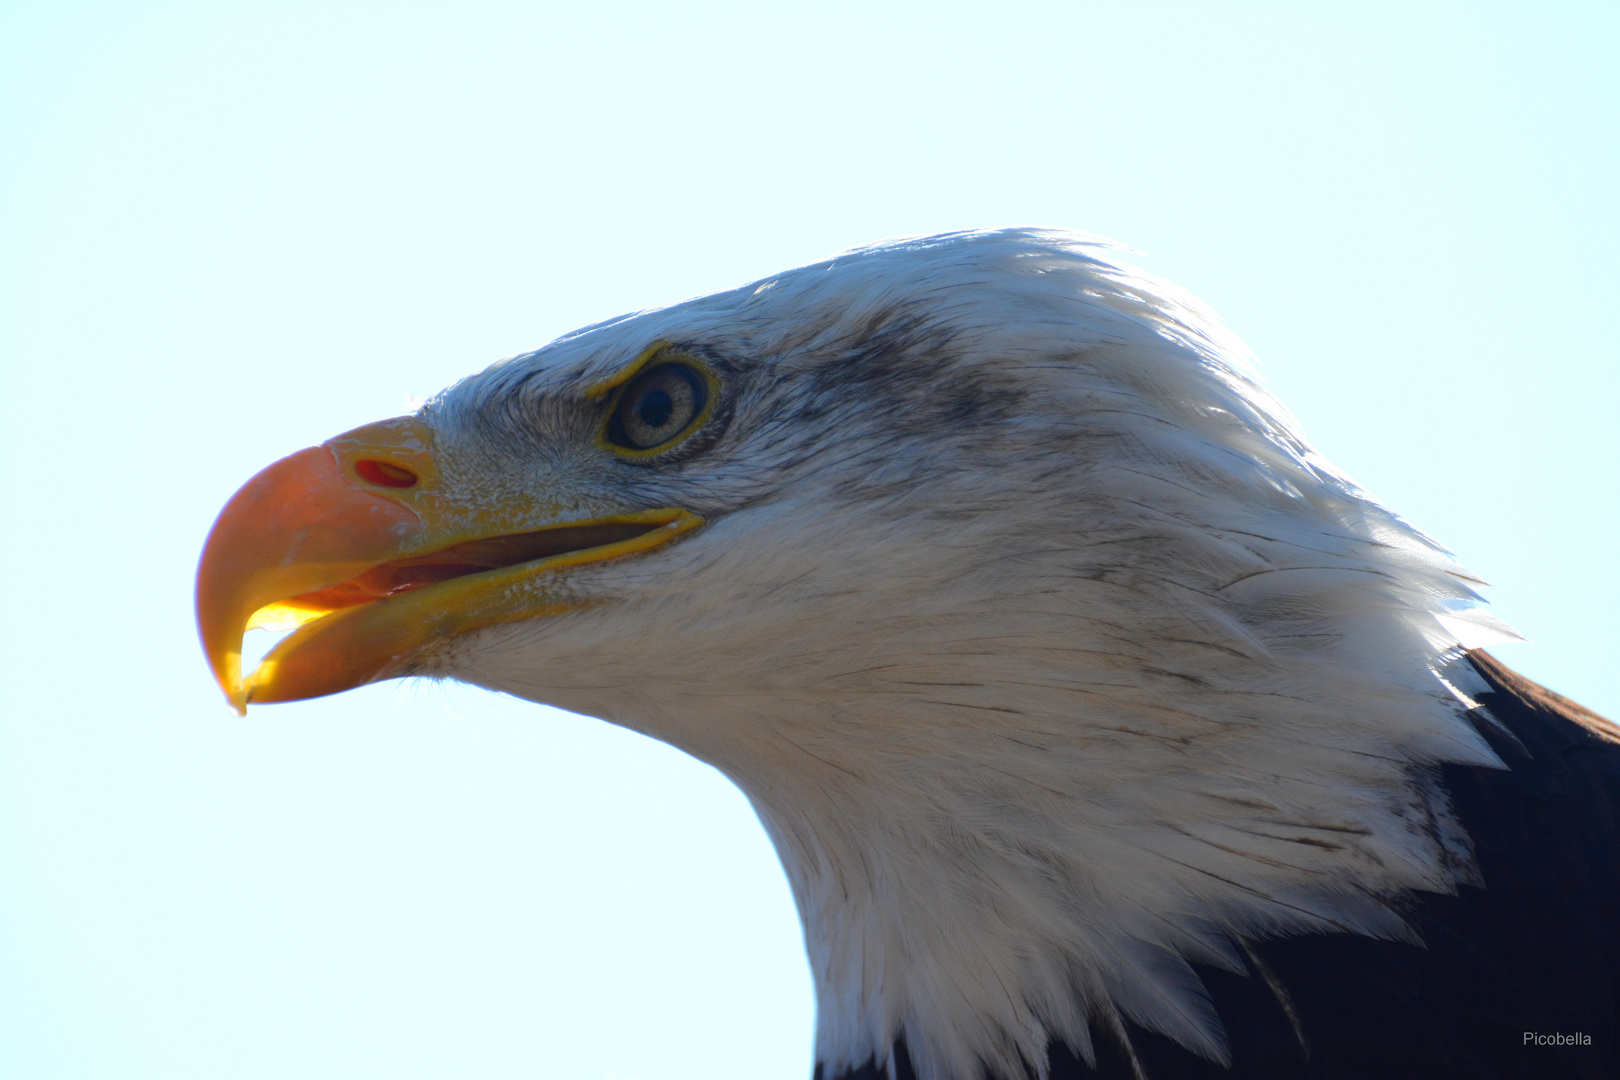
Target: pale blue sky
x,y
229,231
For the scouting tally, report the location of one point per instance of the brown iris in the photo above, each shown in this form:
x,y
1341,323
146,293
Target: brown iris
x,y
657,406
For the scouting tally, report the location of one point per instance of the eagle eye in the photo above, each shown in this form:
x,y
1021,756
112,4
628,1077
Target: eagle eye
x,y
657,406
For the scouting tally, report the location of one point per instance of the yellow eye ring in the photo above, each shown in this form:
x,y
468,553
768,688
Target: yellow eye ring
x,y
657,404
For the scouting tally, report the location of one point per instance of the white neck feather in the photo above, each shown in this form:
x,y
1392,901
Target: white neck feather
x,y
1006,812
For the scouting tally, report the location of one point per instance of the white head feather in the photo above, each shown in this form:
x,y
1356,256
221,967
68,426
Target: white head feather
x,y
1051,655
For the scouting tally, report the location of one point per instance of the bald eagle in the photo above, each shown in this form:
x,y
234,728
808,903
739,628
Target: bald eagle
x,y
1101,726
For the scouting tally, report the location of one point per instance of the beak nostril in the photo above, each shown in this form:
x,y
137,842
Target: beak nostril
x,y
384,474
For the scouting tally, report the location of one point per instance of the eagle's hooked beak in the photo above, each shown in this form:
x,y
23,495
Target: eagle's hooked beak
x,y
356,544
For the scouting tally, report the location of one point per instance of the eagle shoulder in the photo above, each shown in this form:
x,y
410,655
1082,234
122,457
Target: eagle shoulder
x,y
1516,979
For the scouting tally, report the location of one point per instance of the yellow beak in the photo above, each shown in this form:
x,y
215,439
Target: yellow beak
x,y
354,543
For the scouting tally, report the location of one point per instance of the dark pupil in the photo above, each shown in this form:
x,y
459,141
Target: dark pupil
x,y
654,408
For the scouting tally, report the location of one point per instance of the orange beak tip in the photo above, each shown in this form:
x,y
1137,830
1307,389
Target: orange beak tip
x,y
298,526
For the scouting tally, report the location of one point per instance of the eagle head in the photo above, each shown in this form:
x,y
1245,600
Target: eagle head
x,y
1051,655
